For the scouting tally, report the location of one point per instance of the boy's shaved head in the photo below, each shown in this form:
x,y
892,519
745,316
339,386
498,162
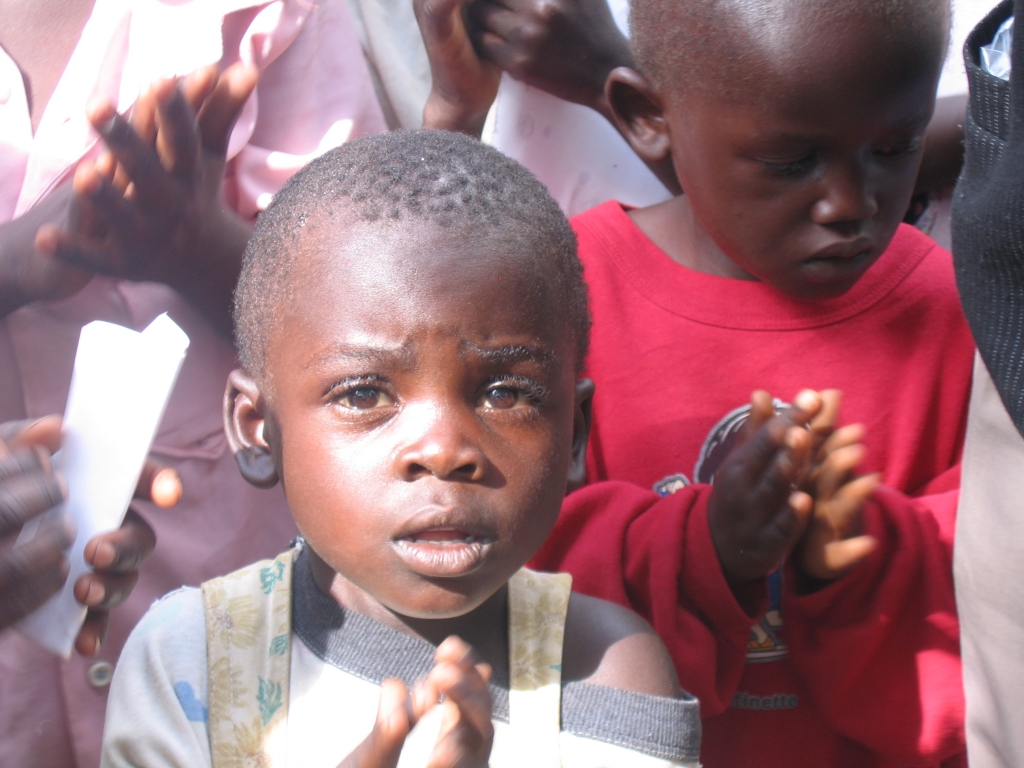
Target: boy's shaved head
x,y
398,179
681,44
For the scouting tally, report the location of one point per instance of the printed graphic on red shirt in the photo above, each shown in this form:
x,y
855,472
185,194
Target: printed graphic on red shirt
x,y
766,642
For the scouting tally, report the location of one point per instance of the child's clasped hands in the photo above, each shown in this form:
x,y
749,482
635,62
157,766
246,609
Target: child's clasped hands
x,y
790,487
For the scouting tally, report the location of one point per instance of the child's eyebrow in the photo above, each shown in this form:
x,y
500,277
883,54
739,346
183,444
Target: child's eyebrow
x,y
511,353
391,357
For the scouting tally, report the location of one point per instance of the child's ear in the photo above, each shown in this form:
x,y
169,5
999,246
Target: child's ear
x,y
580,434
245,423
639,114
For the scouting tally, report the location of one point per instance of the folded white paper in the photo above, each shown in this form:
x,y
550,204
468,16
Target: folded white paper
x,y
119,389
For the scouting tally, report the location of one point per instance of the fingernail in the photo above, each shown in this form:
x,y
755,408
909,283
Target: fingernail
x,y
105,556
807,399
97,593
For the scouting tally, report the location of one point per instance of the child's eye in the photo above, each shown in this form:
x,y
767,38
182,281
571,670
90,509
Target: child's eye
x,y
902,148
798,167
503,398
511,394
365,398
360,395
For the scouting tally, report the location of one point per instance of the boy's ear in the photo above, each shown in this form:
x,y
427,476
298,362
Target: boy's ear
x,y
639,114
245,424
580,434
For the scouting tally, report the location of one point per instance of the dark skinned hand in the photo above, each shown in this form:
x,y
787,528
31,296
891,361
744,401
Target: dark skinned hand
x,y
756,514
152,208
463,85
30,573
466,734
564,47
28,274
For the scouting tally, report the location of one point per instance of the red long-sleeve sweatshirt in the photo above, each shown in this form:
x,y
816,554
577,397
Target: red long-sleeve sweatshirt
x,y
675,355
873,658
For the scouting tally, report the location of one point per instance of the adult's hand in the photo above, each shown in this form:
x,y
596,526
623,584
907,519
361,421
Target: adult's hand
x,y
30,573
463,86
153,208
564,47
28,274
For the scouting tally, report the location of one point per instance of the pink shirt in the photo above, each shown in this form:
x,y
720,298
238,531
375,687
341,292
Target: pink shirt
x,y
314,93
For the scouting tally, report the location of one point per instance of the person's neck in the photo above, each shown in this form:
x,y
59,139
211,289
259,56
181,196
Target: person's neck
x,y
675,228
485,628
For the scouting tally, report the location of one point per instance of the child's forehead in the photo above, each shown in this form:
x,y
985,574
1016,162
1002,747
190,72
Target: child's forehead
x,y
401,277
738,46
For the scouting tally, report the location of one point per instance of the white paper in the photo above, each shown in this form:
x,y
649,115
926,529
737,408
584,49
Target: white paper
x,y
996,57
119,390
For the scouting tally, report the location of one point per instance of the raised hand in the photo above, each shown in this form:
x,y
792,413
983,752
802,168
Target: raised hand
x,y
463,85
833,543
28,273
30,573
153,208
756,514
466,734
564,47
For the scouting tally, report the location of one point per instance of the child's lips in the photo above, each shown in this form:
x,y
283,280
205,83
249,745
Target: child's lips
x,y
841,262
442,552
444,541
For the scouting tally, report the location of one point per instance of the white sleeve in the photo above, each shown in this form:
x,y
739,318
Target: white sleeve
x,y
158,710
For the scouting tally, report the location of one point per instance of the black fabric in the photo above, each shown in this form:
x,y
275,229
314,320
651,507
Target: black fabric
x,y
988,212
668,729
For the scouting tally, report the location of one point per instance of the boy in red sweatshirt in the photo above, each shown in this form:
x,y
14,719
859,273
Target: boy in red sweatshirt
x,y
795,128
796,131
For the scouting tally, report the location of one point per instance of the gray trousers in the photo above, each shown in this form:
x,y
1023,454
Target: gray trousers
x,y
988,563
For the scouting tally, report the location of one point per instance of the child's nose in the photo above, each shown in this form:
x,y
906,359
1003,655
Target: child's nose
x,y
442,446
846,196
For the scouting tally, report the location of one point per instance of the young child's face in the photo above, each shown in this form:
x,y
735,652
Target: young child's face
x,y
422,411
802,173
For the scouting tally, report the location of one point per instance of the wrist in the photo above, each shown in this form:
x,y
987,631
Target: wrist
x,y
441,114
208,277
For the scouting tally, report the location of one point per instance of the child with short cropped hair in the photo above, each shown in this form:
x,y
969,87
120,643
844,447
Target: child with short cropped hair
x,y
795,128
412,321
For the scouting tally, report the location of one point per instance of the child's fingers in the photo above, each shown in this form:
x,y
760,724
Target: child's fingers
x,y
762,409
848,435
843,512
224,104
28,461
45,432
837,468
824,424
97,205
805,408
468,690
787,525
383,747
25,496
153,186
839,556
197,87
104,591
177,139
143,117
93,632
122,550
31,573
